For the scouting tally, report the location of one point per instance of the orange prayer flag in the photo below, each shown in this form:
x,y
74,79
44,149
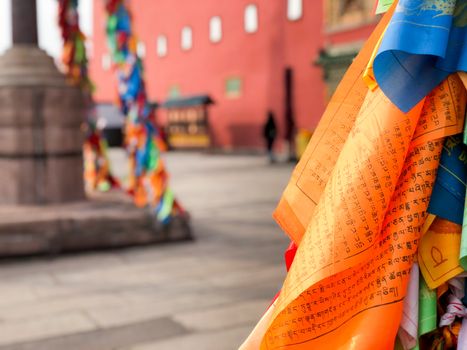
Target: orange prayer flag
x,y
140,196
369,74
445,107
351,270
341,241
314,169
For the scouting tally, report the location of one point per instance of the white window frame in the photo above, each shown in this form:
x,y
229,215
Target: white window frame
x,y
186,38
294,10
162,45
141,49
250,18
215,29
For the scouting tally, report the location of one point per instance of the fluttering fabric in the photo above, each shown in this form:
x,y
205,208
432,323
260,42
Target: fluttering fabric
x,y
360,203
148,177
74,55
426,40
97,172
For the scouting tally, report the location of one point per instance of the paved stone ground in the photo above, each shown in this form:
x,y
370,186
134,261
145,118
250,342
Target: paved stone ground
x,y
206,294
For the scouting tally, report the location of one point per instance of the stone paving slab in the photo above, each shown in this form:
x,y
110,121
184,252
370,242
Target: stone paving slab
x,y
111,338
223,317
227,339
44,327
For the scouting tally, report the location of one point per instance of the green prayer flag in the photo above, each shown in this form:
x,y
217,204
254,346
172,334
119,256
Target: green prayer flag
x,y
166,205
112,22
153,160
80,51
465,129
426,308
383,6
463,248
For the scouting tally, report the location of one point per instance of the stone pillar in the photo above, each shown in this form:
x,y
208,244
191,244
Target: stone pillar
x,y
24,21
40,120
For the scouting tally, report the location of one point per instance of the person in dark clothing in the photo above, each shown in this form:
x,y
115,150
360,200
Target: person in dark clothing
x,y
270,134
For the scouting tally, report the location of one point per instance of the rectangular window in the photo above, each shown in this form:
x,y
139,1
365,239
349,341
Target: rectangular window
x,y
251,18
215,29
294,9
186,38
161,46
141,49
233,87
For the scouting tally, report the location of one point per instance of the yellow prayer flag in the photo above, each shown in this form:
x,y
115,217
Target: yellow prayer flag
x,y
438,254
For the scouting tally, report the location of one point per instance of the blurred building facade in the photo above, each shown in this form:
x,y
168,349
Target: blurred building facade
x,y
249,56
347,24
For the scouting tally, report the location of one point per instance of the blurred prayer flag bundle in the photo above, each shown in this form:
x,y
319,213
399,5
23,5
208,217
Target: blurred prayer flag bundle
x,y
148,176
97,170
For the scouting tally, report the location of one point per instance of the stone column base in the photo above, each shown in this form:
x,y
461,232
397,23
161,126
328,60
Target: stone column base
x,y
107,221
